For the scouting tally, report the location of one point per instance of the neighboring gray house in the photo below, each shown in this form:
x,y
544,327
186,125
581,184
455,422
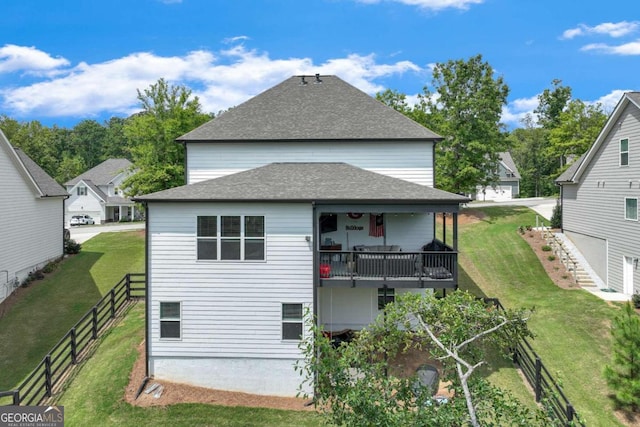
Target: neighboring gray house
x,y
32,226
599,196
310,196
508,185
98,192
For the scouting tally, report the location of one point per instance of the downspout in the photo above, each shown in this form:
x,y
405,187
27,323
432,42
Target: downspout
x,y
316,277
147,297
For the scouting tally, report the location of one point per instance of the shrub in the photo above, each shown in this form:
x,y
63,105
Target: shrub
x,y
546,248
636,300
72,247
556,216
551,257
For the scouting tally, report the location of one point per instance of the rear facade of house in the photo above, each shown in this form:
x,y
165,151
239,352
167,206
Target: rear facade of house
x,y
311,199
600,199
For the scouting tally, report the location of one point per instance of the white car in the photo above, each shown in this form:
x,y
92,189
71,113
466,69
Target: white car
x,y
81,220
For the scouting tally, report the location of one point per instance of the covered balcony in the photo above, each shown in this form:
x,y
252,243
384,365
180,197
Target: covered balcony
x,y
398,248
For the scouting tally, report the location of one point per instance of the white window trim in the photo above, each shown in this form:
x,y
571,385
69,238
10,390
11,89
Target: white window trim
x,y
625,209
296,321
81,190
170,319
242,239
620,152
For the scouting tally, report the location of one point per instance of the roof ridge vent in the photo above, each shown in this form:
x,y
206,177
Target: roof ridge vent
x,y
318,79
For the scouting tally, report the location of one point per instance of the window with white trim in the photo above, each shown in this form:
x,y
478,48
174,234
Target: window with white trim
x,y
170,320
291,321
631,208
81,191
624,152
239,237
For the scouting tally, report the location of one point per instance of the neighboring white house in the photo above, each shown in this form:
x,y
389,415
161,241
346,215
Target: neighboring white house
x,y
599,196
311,196
98,192
508,185
32,226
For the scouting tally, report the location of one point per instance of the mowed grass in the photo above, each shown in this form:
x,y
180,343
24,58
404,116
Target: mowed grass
x,y
571,326
50,307
96,395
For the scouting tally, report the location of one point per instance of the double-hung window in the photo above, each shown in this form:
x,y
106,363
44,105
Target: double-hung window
x,y
81,191
631,208
385,296
291,321
231,237
170,320
624,152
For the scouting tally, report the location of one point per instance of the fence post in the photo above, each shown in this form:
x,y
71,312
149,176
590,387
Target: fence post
x,y
113,303
47,375
94,323
538,384
16,398
74,353
128,284
570,414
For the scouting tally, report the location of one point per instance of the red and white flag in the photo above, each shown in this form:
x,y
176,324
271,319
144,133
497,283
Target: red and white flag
x,y
376,225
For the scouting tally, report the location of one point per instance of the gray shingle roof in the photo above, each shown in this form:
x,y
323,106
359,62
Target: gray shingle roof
x,y
291,110
103,173
569,173
318,182
47,185
510,164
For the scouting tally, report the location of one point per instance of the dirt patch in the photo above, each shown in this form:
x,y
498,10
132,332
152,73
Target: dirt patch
x,y
183,393
467,216
556,271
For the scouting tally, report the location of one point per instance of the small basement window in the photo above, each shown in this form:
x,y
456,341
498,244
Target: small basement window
x,y
385,296
170,320
291,321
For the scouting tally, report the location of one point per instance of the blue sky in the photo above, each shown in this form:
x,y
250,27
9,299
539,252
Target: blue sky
x,y
83,59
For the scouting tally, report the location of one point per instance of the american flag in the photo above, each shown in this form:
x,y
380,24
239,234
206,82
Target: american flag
x,y
376,225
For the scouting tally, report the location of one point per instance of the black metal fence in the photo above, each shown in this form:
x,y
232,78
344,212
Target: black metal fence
x,y
546,389
72,348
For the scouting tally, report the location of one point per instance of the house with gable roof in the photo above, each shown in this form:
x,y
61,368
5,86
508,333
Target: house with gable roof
x,y
310,198
599,197
98,193
32,226
508,185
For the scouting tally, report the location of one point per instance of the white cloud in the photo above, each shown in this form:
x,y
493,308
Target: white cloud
x,y
432,4
221,80
21,58
610,100
515,111
612,29
626,49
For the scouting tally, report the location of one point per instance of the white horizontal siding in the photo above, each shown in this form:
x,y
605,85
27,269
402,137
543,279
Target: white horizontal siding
x,y
408,160
229,309
595,207
30,227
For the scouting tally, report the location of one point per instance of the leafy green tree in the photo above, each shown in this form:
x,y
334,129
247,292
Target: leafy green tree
x,y
395,100
551,102
86,140
358,383
116,144
464,106
578,127
167,112
535,164
623,375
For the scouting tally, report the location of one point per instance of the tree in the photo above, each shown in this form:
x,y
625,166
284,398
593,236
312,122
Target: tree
x,y
551,102
623,375
167,112
395,100
577,127
465,106
86,140
358,384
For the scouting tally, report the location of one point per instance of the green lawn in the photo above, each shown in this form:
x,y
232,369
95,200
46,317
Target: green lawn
x,y
50,307
571,326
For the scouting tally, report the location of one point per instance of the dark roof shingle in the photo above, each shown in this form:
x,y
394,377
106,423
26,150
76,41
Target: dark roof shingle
x,y
103,173
47,185
330,110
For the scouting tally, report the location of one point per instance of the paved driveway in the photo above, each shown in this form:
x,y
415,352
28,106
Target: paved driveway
x,y
542,205
82,233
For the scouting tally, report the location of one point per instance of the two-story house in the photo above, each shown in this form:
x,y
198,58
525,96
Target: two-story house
x,y
599,196
508,185
99,193
32,225
311,198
